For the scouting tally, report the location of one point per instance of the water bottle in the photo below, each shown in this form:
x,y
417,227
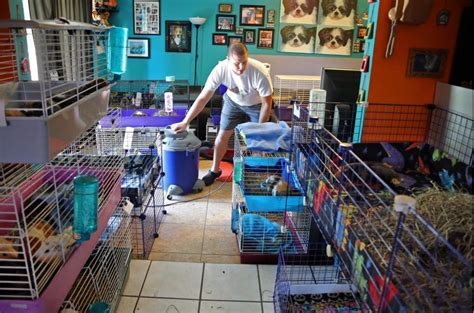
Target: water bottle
x,y
237,170
86,190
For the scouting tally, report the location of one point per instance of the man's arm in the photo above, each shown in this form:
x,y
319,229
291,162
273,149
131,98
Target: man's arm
x,y
195,109
266,109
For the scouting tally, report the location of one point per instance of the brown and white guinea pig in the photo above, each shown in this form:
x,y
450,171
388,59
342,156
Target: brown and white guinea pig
x,y
51,249
299,8
37,235
297,35
7,250
338,9
276,185
334,37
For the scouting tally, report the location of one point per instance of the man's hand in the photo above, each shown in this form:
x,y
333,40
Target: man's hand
x,y
179,127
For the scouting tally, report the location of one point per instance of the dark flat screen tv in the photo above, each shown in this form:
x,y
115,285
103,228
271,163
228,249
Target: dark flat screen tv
x,y
342,89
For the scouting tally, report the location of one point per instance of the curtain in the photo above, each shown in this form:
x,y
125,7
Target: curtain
x,y
41,9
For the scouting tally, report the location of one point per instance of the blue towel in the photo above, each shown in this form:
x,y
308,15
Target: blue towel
x,y
266,137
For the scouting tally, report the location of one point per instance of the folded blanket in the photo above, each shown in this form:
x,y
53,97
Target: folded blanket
x,y
266,137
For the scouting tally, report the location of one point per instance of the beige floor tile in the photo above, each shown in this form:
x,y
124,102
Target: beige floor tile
x,y
221,192
218,213
192,213
204,166
179,238
175,257
219,240
220,259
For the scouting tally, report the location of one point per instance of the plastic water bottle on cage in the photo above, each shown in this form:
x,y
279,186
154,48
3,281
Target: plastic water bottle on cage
x,y
86,190
168,102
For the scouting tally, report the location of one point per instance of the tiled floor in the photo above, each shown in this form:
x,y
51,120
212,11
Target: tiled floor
x,y
185,287
194,263
198,230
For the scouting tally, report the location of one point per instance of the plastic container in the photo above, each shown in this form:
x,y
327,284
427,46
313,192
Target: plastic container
x,y
117,51
86,190
98,307
180,159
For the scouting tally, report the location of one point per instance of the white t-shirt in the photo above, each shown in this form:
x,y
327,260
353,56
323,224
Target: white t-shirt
x,y
245,89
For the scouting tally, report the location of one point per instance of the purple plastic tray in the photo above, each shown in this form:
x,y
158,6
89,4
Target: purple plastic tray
x,y
127,120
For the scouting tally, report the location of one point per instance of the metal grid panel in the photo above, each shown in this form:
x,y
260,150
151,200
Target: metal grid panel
x,y
71,62
294,87
211,134
313,282
452,133
36,214
397,260
147,94
104,274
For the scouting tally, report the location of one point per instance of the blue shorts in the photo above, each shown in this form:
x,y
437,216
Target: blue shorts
x,y
234,114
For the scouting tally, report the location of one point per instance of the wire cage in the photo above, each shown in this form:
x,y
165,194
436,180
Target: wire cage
x,y
313,282
103,276
142,182
36,217
396,256
294,87
54,80
148,94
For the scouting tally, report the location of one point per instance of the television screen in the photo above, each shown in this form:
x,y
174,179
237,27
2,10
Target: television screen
x,y
342,89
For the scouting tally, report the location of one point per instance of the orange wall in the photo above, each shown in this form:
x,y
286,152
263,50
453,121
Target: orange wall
x,y
388,82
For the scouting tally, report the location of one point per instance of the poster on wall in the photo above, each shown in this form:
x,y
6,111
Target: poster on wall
x,y
298,38
312,26
298,11
334,40
146,17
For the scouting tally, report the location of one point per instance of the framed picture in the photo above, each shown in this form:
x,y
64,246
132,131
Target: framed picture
x,y
239,30
139,48
265,38
178,36
361,32
252,15
219,39
233,39
225,23
270,18
146,17
426,62
249,36
225,8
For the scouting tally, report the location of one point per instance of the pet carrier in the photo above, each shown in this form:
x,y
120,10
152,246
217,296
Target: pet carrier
x,y
395,257
39,258
142,182
61,94
105,272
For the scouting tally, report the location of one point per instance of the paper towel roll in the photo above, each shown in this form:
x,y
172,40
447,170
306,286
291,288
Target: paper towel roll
x,y
168,102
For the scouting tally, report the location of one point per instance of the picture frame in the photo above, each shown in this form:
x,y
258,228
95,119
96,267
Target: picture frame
x,y
146,17
225,23
232,39
219,39
265,38
426,62
178,36
225,8
249,36
271,18
362,32
252,15
239,30
138,48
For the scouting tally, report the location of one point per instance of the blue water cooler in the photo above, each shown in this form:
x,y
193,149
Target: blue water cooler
x,y
181,163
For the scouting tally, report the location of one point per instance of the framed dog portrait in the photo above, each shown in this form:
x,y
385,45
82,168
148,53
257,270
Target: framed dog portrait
x,y
219,39
139,48
146,17
426,62
337,13
299,11
334,40
265,38
249,36
297,38
178,36
225,23
225,8
252,15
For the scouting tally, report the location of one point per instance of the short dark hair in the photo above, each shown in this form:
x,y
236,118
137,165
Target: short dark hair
x,y
237,48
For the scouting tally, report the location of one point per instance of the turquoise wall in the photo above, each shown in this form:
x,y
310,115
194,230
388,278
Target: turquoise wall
x,y
181,65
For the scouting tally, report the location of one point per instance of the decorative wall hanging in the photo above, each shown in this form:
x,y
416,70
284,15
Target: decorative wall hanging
x,y
138,48
178,36
265,38
252,15
426,62
146,17
225,23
